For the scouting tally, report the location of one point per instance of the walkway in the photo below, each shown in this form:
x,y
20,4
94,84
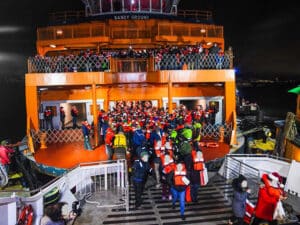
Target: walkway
x,y
213,208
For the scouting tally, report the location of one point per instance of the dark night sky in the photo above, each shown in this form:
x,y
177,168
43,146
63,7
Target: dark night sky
x,y
263,34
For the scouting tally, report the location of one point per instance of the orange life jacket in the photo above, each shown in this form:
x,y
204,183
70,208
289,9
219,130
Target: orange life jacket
x,y
167,167
178,177
198,164
159,152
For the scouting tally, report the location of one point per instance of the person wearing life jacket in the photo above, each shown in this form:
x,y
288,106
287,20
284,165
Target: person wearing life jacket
x,y
167,166
178,180
86,128
197,168
196,135
140,171
120,144
108,140
158,151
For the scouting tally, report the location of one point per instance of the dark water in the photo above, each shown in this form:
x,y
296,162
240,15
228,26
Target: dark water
x,y
274,100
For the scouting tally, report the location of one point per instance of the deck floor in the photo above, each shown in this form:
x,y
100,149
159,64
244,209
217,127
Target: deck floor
x,y
69,155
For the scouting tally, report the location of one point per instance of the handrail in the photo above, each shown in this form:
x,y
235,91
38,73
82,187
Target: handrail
x,y
51,182
29,137
261,156
69,15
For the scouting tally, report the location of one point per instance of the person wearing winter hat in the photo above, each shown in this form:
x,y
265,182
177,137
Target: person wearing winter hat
x,y
240,195
268,196
140,169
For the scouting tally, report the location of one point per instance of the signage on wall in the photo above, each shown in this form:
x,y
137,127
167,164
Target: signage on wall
x,y
131,17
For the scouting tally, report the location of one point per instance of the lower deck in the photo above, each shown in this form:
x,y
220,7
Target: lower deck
x,y
69,155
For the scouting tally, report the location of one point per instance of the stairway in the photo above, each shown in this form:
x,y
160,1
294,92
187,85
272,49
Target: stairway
x,y
213,208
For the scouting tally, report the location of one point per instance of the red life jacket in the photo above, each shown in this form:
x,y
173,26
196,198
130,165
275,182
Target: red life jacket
x,y
198,164
26,216
178,177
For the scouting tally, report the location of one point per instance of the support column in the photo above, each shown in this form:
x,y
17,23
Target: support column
x,y
170,97
95,114
150,6
160,103
32,107
230,106
106,100
229,100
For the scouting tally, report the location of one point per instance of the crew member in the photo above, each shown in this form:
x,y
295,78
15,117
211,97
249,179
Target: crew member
x,y
140,170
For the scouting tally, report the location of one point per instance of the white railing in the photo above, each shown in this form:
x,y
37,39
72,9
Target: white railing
x,y
89,180
252,167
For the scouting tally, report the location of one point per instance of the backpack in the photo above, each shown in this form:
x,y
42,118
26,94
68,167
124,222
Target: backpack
x,y
120,141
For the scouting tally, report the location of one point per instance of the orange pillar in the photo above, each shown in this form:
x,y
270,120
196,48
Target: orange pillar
x,y
32,107
170,106
106,100
230,101
95,113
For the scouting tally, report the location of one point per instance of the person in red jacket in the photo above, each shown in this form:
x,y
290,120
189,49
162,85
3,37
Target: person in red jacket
x,y
268,196
5,153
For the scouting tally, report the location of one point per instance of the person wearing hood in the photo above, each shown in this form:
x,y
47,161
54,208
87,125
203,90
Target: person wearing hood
x,y
240,195
270,193
140,170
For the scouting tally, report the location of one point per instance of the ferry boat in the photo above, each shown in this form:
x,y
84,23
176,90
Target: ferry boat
x,y
130,51
124,52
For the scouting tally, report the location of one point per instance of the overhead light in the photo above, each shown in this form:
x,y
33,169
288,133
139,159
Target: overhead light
x,y
132,2
202,30
52,46
59,32
208,43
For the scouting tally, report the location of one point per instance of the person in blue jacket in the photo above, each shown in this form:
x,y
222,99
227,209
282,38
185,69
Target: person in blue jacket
x,y
240,195
140,170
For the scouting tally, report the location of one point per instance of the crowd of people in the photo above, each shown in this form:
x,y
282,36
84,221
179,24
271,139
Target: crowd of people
x,y
166,58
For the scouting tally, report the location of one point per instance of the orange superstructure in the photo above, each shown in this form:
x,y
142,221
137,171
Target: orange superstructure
x,y
83,63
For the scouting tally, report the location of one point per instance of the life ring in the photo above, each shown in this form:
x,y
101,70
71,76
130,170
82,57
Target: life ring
x,y
202,144
212,144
